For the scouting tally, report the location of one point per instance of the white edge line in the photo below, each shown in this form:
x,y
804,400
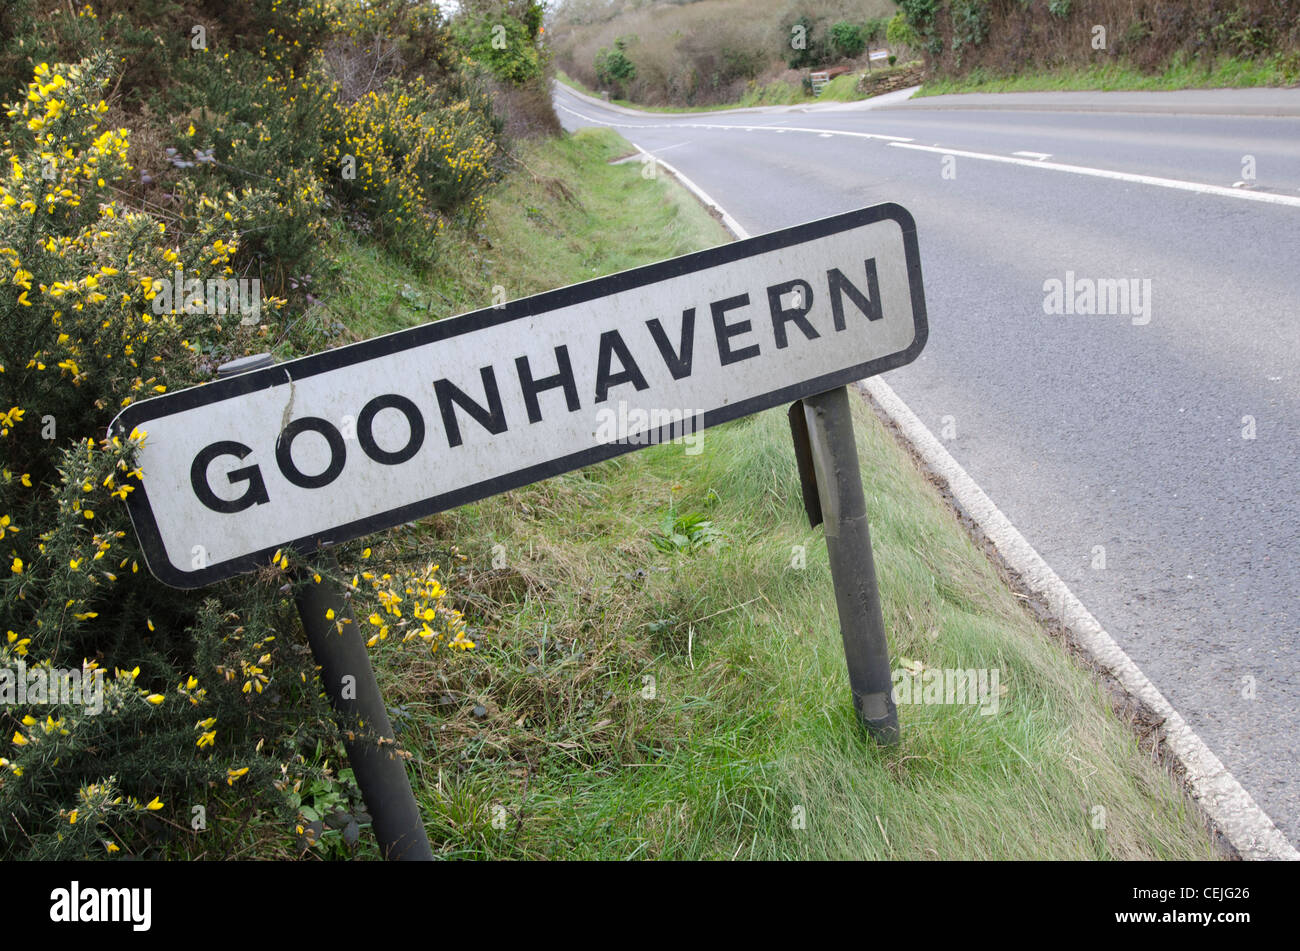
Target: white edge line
x,y
1246,826
878,136
728,222
902,142
1108,173
1234,813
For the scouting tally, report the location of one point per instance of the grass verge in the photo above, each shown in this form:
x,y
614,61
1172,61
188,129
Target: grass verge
x,y
1279,70
659,670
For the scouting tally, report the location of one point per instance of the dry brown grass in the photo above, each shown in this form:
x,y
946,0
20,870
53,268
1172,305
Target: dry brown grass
x,y
695,53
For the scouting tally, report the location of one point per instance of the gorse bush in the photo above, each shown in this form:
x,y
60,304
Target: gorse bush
x,y
265,97
409,161
80,340
198,707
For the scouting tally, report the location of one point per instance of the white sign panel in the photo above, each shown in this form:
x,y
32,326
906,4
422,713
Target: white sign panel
x,y
332,446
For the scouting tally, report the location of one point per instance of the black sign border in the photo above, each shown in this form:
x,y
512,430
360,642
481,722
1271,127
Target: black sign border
x,y
139,414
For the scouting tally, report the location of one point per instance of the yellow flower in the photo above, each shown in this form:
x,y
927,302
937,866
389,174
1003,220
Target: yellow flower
x,y
154,804
155,698
17,566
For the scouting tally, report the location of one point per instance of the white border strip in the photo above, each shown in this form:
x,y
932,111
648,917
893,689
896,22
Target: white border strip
x,y
902,142
1234,813
879,136
728,222
1232,810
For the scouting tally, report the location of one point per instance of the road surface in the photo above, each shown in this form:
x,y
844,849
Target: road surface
x,y
1152,453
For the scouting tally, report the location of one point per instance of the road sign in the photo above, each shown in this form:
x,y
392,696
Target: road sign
x,y
329,447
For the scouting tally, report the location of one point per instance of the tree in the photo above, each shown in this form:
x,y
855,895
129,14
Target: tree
x,y
614,68
848,39
804,47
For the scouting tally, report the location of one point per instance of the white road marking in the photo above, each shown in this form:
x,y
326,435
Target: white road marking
x,y
733,128
1245,825
728,222
1115,176
902,142
1235,814
1036,156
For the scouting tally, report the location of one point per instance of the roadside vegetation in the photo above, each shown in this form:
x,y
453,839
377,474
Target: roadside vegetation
x,y
638,659
1182,73
709,52
715,52
986,46
223,142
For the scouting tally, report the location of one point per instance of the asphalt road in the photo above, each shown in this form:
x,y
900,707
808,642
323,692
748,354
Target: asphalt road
x,y
1124,431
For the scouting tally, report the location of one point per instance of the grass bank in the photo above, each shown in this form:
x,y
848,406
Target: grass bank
x,y
658,670
1281,70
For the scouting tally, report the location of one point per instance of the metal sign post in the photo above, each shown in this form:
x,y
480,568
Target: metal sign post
x,y
827,455
350,683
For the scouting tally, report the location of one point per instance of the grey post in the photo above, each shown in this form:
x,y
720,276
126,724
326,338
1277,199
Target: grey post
x,y
337,647
828,462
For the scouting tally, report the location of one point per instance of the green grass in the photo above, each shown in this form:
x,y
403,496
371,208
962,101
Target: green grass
x,y
545,228
634,700
1280,70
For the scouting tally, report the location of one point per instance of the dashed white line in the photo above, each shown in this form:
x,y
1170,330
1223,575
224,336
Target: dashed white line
x,y
735,128
1027,159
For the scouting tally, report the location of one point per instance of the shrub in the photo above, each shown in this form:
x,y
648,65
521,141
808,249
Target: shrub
x,y
970,23
899,34
614,68
79,341
848,40
206,701
411,161
804,45
505,44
